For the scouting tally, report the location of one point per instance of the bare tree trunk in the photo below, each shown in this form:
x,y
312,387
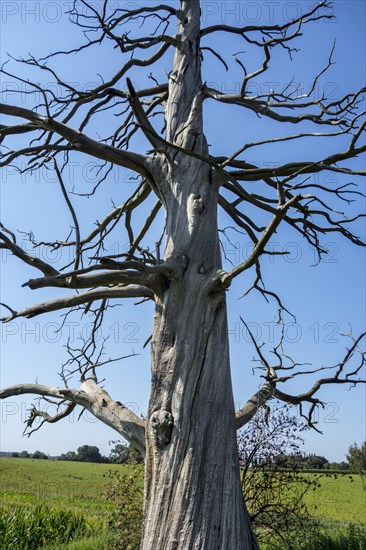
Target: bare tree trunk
x,y
193,494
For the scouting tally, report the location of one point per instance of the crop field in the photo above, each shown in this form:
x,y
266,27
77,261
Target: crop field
x,y
75,486
341,499
27,485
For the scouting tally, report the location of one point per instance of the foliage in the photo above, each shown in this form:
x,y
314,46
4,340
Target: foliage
x,y
352,537
24,454
39,455
357,459
314,461
89,453
85,453
273,485
23,528
343,466
126,492
119,454
70,455
123,454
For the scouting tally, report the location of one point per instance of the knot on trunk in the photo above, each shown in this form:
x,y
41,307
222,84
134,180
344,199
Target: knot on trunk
x,y
195,207
198,206
161,423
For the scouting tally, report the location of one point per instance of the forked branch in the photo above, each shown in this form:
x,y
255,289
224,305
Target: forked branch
x,y
80,141
348,371
91,397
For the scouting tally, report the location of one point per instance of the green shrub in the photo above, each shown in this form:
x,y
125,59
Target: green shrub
x,y
273,483
126,492
22,528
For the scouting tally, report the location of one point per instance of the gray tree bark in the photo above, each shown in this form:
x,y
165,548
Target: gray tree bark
x,y
193,497
192,488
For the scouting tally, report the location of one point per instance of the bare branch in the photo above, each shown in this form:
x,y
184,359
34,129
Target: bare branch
x,y
131,291
254,403
226,278
51,419
38,389
11,245
73,215
344,372
80,141
277,30
309,167
93,398
141,115
144,275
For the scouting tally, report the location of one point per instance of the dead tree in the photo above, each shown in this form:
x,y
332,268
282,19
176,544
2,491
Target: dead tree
x,y
193,494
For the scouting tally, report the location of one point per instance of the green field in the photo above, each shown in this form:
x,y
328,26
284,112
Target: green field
x,y
81,488
75,486
341,500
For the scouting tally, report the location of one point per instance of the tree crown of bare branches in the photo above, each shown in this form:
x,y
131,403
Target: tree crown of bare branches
x,y
56,129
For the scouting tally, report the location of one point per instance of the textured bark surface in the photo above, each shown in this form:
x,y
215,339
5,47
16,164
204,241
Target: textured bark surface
x,y
193,495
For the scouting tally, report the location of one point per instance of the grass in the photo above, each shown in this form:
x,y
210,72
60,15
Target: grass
x,y
58,488
23,528
341,499
350,537
75,486
106,540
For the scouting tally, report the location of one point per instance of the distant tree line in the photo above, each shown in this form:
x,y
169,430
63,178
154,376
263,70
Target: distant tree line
x,y
122,454
25,454
356,461
309,462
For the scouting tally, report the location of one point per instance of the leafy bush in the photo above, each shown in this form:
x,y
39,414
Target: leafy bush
x,y
27,529
126,492
273,483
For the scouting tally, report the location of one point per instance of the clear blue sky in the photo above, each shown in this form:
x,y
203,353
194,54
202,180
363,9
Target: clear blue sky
x,y
326,299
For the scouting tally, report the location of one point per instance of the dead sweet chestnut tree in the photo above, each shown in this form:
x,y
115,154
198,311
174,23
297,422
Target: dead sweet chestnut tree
x,y
192,496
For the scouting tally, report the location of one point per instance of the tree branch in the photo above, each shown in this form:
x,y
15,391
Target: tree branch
x,y
11,245
80,141
93,398
343,373
141,116
251,407
131,291
307,167
226,278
